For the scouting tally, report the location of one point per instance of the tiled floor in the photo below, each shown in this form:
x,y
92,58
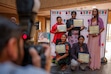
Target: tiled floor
x,y
105,69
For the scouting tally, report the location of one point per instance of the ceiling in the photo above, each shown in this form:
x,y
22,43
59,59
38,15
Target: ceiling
x,y
8,6
83,7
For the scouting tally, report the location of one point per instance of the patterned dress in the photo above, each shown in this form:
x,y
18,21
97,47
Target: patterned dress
x,y
73,33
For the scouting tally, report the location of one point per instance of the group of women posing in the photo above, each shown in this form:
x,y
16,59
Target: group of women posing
x,y
76,41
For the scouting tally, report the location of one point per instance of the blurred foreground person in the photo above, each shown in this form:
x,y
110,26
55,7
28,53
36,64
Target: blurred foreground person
x,y
12,51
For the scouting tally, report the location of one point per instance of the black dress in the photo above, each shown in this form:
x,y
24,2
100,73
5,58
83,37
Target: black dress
x,y
67,59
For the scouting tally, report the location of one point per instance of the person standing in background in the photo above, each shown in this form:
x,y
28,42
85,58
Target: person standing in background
x,y
57,35
73,32
94,40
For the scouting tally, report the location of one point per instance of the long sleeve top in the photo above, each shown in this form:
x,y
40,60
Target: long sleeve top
x,y
56,35
76,49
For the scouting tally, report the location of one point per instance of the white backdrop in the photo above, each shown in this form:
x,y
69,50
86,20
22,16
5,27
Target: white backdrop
x,y
81,14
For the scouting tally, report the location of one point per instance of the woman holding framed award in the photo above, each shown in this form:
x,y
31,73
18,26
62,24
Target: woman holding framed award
x,y
80,56
63,58
96,26
74,26
58,29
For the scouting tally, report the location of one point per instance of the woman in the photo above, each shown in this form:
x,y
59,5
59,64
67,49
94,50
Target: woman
x,y
57,35
73,32
94,40
79,47
63,58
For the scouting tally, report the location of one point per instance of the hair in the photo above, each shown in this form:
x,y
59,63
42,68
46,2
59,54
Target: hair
x,y
65,35
74,12
8,29
58,17
96,15
80,37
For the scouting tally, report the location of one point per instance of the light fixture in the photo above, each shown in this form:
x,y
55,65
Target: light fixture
x,y
94,7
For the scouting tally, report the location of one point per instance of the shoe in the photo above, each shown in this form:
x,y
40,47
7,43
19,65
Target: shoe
x,y
72,70
83,69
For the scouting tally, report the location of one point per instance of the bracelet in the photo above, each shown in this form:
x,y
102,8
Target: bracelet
x,y
97,34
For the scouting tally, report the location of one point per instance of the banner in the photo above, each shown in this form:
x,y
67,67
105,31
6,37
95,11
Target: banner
x,y
85,15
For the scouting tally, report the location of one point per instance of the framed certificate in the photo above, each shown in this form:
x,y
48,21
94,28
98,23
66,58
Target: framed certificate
x,y
43,37
61,28
84,57
93,29
78,22
60,48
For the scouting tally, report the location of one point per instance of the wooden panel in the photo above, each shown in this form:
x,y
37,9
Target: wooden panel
x,y
109,17
43,23
55,4
7,10
8,6
10,3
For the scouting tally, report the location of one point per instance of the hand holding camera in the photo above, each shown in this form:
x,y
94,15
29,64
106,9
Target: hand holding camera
x,y
36,59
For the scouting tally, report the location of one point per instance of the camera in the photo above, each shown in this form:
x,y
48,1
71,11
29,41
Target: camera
x,y
27,11
27,58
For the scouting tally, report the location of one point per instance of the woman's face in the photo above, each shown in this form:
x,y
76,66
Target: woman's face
x,y
59,20
73,15
63,38
81,40
94,12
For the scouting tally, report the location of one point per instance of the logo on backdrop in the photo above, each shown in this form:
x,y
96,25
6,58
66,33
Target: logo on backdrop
x,y
68,12
89,12
56,12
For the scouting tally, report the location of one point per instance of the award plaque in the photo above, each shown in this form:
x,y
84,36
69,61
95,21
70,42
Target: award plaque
x,y
60,48
78,22
43,37
61,28
84,57
93,29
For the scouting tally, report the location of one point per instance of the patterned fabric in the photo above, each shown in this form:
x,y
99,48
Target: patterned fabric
x,y
74,37
73,33
67,59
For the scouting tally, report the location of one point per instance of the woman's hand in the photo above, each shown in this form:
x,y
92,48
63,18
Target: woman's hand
x,y
82,27
72,26
80,61
94,35
48,57
56,31
57,59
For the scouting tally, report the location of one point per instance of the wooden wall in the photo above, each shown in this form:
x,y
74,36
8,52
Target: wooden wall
x,y
42,19
109,17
